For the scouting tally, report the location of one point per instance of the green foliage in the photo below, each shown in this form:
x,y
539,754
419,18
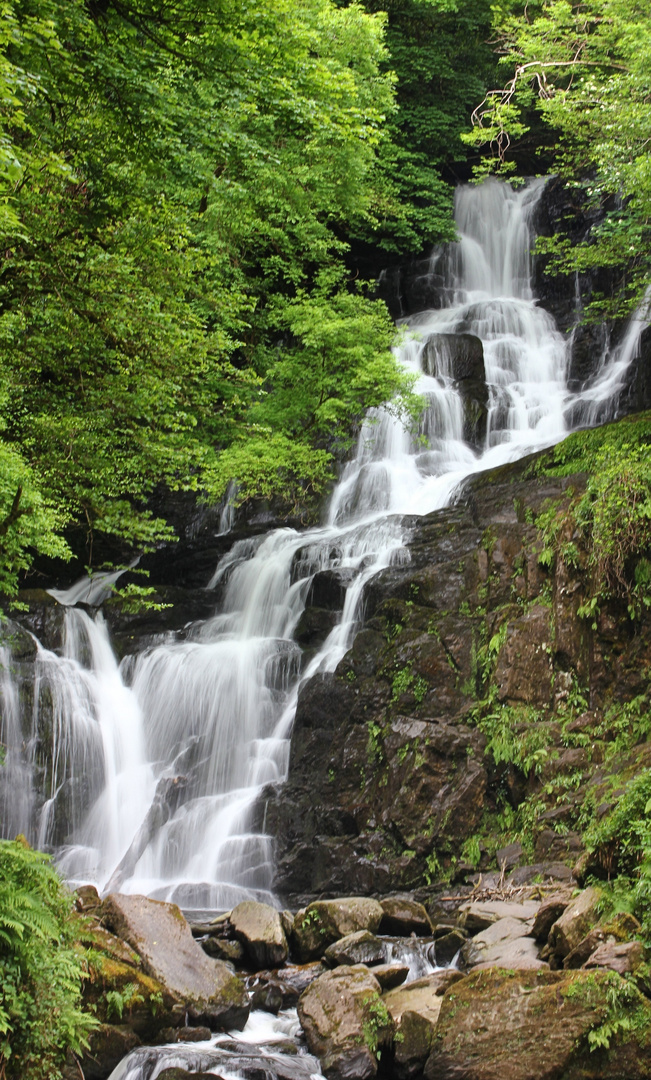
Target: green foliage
x,y
377,1024
29,522
440,51
405,681
119,1000
174,193
613,517
40,970
586,68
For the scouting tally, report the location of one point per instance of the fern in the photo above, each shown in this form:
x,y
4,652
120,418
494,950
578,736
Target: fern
x,y
40,970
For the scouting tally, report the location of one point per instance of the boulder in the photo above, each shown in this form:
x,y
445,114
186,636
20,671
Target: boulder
x,y
461,357
584,950
510,856
260,930
423,995
624,957
390,975
109,1044
326,921
161,936
359,948
231,952
345,1022
548,913
415,1009
447,946
579,917
535,1024
506,943
403,916
479,915
120,993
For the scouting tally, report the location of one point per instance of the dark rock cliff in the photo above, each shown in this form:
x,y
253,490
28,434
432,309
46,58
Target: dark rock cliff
x,y
389,778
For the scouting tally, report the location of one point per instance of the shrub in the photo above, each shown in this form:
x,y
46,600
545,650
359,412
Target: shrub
x,y
40,969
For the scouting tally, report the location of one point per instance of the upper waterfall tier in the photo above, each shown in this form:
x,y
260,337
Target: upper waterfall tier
x,y
157,767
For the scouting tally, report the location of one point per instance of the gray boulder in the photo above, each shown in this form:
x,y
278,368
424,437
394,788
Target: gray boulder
x,y
160,935
403,916
506,943
359,948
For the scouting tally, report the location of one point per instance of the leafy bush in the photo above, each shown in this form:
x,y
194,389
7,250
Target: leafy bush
x,y
40,970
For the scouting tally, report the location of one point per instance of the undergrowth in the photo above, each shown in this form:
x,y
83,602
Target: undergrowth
x,y
41,971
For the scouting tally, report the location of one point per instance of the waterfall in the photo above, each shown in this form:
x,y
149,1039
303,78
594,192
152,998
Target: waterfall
x,y
158,764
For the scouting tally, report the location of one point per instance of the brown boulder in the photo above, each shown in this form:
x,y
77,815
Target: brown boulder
x,y
404,916
259,928
345,1022
163,939
623,957
326,921
415,1009
548,913
579,917
359,948
534,1025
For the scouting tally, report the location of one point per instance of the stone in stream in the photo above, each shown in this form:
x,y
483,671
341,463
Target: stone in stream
x,y
390,975
326,921
359,948
109,1044
403,916
163,939
534,1025
231,952
461,357
259,928
345,1022
447,946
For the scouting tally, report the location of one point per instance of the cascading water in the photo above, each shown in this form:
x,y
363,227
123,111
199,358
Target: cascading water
x,y
158,766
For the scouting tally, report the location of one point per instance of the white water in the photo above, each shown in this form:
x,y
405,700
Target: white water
x,y
216,708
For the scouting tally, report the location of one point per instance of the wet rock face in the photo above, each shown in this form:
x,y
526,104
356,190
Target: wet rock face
x,y
461,358
566,212
389,774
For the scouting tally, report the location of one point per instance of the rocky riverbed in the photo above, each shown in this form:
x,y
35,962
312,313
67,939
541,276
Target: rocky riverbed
x,y
501,980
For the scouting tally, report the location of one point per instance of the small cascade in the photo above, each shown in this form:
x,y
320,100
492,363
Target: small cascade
x,y
157,766
100,781
16,784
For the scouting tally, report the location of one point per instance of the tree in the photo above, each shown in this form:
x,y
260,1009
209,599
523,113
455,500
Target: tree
x,y
441,54
176,175
587,67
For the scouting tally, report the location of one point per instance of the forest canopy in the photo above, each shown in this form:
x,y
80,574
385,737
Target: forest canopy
x,y
177,182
